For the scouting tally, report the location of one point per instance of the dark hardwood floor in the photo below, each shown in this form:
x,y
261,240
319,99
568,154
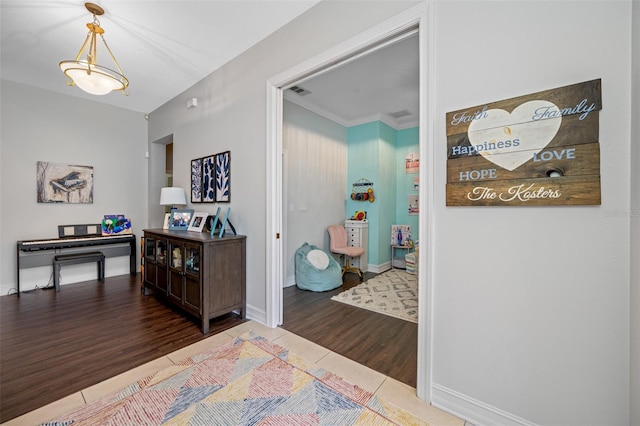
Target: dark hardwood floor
x,y
55,344
382,343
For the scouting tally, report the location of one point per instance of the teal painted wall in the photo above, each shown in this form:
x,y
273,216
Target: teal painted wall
x,y
407,143
377,153
363,152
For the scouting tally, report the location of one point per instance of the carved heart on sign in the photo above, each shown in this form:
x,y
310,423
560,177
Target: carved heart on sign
x,y
520,136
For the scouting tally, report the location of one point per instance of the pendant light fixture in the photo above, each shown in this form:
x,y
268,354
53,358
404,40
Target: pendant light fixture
x,y
86,73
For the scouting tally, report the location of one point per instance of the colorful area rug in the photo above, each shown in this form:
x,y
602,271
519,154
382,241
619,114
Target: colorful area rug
x,y
249,381
393,293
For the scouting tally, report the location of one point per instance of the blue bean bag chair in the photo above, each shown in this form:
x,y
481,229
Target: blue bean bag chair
x,y
316,270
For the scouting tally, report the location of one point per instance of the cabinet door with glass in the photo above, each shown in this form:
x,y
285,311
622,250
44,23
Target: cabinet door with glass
x,y
150,260
193,293
161,265
176,270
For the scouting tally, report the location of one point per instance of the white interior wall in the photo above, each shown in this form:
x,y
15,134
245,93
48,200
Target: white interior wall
x,y
531,304
39,125
316,178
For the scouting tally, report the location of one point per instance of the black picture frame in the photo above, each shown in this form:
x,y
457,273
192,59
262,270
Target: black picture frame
x,y
196,180
223,177
208,179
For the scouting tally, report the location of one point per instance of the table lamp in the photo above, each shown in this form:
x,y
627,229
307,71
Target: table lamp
x,y
172,196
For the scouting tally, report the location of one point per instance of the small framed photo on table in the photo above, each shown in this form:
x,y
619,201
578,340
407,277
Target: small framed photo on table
x,y
197,221
167,219
180,219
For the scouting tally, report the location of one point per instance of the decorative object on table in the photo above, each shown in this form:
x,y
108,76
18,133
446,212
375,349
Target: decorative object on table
x,y
533,150
214,224
362,190
62,183
114,224
172,196
208,179
196,180
245,380
180,219
223,177
176,258
197,221
224,223
85,72
359,215
393,293
167,219
315,270
400,235
412,163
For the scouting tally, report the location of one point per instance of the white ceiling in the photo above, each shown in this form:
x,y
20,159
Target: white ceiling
x,y
380,85
166,46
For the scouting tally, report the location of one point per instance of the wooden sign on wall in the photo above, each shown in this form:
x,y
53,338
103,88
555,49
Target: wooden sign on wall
x,y
538,149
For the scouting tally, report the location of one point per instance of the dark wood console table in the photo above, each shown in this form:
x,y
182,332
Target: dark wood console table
x,y
203,275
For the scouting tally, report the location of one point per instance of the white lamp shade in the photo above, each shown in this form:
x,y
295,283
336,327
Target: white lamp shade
x,y
99,81
171,196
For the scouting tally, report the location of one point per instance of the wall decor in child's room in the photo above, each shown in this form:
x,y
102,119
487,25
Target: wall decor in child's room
x,y
362,190
537,149
413,207
412,163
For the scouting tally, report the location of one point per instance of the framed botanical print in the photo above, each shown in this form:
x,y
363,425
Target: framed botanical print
x,y
196,180
223,177
208,179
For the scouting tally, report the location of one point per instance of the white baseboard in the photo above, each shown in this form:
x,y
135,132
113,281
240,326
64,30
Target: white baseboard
x,y
256,314
377,269
290,281
472,410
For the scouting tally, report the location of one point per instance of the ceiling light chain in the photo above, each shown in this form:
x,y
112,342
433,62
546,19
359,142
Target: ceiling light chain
x,y
87,74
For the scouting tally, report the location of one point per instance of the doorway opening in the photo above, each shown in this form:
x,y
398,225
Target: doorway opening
x,y
375,38
160,175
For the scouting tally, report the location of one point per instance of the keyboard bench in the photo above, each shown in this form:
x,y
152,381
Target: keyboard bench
x,y
74,259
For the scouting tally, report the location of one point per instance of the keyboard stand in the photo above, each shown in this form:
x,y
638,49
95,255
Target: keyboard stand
x,y
30,254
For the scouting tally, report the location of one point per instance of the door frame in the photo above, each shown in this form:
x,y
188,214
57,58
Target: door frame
x,y
420,16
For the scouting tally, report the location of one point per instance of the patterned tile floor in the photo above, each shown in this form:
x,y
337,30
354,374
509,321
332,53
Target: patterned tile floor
x,y
387,388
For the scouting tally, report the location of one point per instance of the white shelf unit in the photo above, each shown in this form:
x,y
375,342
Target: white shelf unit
x,y
358,236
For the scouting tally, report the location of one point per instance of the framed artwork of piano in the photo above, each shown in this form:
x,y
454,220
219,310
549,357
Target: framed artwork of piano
x,y
64,184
